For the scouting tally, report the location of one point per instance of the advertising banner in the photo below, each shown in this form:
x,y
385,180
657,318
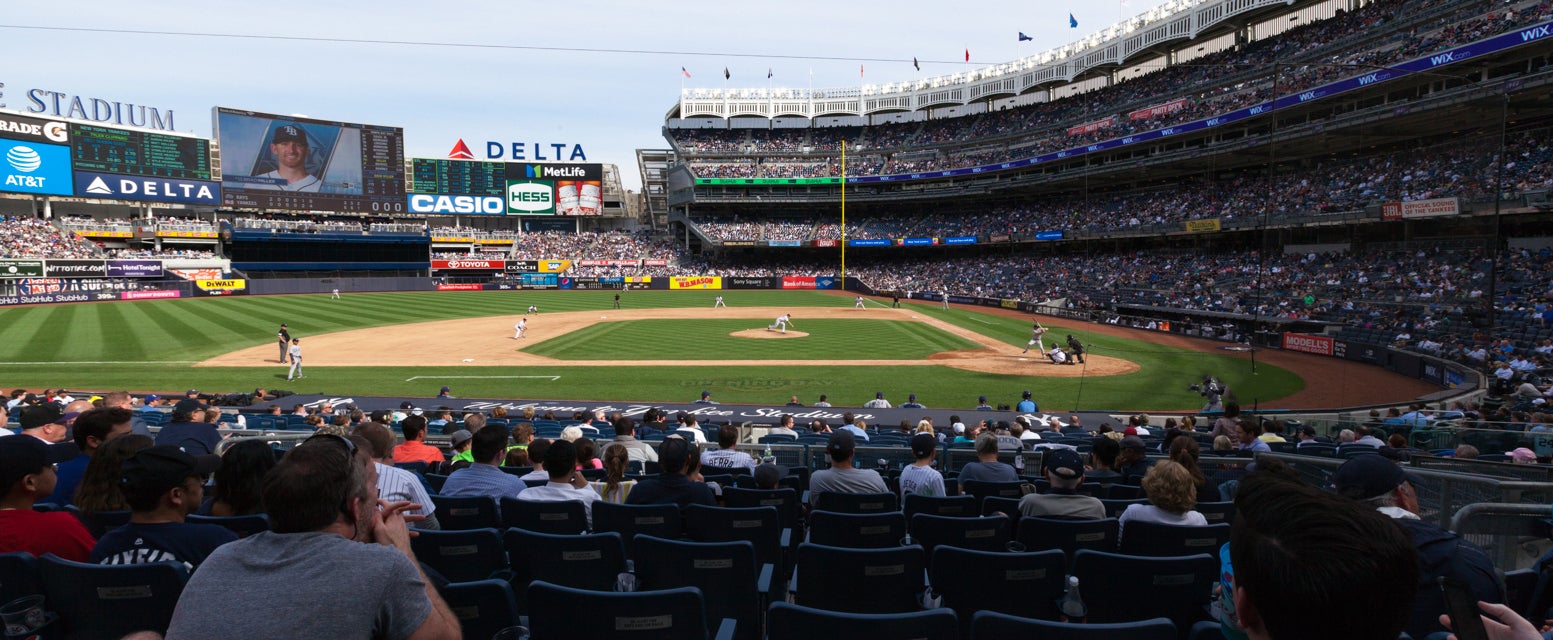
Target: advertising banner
x,y
870,242
1158,110
1008,304
222,285
531,197
747,283
1091,127
1420,209
919,242
825,243
135,269
460,287
655,263
456,265
999,237
1304,342
47,298
960,240
187,234
29,167
695,282
1047,235
538,280
606,263
827,282
784,243
555,266
1202,226
457,204
75,268
738,243
102,185
197,274
21,268
1432,372
150,295
522,266
799,282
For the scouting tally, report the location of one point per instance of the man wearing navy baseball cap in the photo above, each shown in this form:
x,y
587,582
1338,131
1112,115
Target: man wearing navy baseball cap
x,y
843,476
1065,473
26,475
163,485
1381,484
290,147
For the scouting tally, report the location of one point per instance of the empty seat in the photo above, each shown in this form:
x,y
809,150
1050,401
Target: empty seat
x,y
110,601
1040,534
784,500
243,526
857,530
631,520
1164,540
859,580
483,607
673,614
990,624
466,512
953,506
462,555
569,516
856,502
787,621
759,525
990,533
1000,489
590,561
1022,584
1138,588
732,584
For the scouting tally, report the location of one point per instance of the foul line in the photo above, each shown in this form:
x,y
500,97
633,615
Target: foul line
x,y
550,378
110,362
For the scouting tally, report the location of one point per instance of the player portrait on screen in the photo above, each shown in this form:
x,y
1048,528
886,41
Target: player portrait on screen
x,y
290,152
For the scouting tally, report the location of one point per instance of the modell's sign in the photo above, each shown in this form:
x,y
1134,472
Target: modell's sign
x,y
1420,209
1306,343
468,264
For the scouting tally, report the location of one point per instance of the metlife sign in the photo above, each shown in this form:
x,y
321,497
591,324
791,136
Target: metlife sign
x,y
102,185
30,167
441,203
555,171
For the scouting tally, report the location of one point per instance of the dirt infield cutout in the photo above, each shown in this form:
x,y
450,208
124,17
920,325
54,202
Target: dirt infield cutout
x,y
488,342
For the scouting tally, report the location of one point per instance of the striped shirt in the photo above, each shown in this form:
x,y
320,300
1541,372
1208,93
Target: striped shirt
x,y
397,485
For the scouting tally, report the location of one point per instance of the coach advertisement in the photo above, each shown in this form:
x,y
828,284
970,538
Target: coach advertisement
x,y
1306,343
522,266
695,282
749,283
21,268
135,269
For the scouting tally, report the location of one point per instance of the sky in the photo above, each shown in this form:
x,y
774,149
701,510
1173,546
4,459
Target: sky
x,y
610,103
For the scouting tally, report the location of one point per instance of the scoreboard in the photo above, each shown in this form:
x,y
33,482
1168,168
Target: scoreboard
x,y
138,153
273,161
458,176
504,188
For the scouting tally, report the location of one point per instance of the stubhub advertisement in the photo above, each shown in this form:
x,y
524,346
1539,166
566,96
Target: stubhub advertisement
x,y
30,167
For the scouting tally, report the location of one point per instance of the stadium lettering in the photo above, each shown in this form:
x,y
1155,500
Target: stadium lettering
x,y
1308,95
59,103
531,196
521,151
1368,78
153,188
1535,33
11,126
1444,58
24,181
1213,122
423,203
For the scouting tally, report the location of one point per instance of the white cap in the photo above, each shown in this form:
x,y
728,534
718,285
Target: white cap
x,y
959,427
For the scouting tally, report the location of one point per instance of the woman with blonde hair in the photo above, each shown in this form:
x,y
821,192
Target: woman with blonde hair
x,y
1172,497
614,488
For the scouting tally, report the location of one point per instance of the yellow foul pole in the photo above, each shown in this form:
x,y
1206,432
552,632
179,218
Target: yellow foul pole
x,y
843,214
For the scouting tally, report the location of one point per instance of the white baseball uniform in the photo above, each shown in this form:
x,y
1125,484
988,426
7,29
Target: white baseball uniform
x,y
296,361
533,309
859,304
1035,340
520,330
336,293
781,323
719,303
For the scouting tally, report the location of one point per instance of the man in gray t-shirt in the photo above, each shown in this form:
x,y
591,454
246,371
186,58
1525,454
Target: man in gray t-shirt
x,y
987,468
1065,472
842,477
329,536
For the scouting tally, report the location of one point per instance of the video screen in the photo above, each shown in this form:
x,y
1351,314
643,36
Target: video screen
x,y
271,161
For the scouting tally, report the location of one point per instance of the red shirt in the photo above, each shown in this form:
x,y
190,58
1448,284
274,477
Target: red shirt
x,y
36,533
417,451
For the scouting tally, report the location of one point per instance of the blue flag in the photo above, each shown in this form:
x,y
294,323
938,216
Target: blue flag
x,y
1072,22
1023,37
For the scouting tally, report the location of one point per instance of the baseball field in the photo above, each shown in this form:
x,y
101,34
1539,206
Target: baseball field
x,y
661,346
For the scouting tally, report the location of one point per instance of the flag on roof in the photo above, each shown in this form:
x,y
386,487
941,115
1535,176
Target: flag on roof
x,y
916,64
768,73
1023,37
684,71
1072,21
967,55
726,74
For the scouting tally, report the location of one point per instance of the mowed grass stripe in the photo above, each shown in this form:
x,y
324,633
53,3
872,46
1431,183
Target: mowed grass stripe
x,y
710,340
118,333
21,329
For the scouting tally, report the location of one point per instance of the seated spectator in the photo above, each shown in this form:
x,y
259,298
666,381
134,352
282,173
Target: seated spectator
x,y
625,435
328,536
986,468
1367,438
536,452
99,490
566,482
1466,452
1251,438
1064,472
239,481
586,456
1381,484
691,431
163,485
843,476
1172,498
460,440
92,430
1185,452
615,487
395,484
1104,452
726,456
45,421
1296,550
784,427
920,477
768,476
188,431
415,448
484,477
26,476
859,429
1132,462
674,485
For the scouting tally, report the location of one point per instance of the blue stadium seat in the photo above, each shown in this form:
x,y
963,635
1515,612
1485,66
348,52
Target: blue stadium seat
x,y
466,512
673,614
1021,584
991,533
786,621
952,506
590,561
1114,508
435,481
462,556
785,500
100,522
732,584
746,481
1040,534
1133,588
857,502
1007,507
859,580
1217,512
483,607
19,576
758,525
631,520
857,530
564,517
1123,492
109,601
1164,540
981,490
243,526
990,624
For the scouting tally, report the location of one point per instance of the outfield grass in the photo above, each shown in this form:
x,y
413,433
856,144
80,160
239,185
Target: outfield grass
x,y
710,340
151,345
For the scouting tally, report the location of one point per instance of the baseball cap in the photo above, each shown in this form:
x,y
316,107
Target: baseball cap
x,y
165,466
24,455
461,436
289,133
923,444
673,453
912,397
1065,463
878,394
188,406
841,444
42,414
1523,454
407,405
192,392
151,397
445,390
1027,393
1367,476
768,474
1308,430
1133,442
981,399
706,394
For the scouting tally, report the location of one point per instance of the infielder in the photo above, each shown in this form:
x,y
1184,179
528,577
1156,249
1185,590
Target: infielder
x,y
859,304
719,303
284,338
533,309
781,322
296,359
520,330
1035,339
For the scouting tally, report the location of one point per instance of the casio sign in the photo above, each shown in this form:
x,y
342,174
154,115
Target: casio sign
x,y
530,197
425,203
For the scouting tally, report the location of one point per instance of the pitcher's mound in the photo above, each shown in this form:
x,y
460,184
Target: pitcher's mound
x,y
767,334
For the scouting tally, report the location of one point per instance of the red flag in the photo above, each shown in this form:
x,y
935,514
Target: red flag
x,y
859,71
967,55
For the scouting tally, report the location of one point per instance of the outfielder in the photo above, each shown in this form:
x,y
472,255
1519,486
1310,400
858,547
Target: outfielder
x,y
859,304
336,294
1035,339
719,303
296,360
520,330
781,322
945,295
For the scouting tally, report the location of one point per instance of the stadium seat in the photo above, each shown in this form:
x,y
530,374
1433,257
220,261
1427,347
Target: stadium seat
x,y
1163,540
591,561
1216,512
1134,588
1114,508
1040,534
483,607
991,624
990,533
464,555
466,512
732,584
1006,507
746,481
981,490
100,522
109,601
243,526
857,530
857,502
785,500
786,621
563,517
436,480
1123,492
760,526
569,613
952,506
631,520
1021,584
859,580
19,576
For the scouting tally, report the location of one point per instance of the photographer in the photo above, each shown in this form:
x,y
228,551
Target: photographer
x,y
1213,391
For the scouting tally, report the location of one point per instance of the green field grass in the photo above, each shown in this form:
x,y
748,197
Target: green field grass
x,y
710,340
152,345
